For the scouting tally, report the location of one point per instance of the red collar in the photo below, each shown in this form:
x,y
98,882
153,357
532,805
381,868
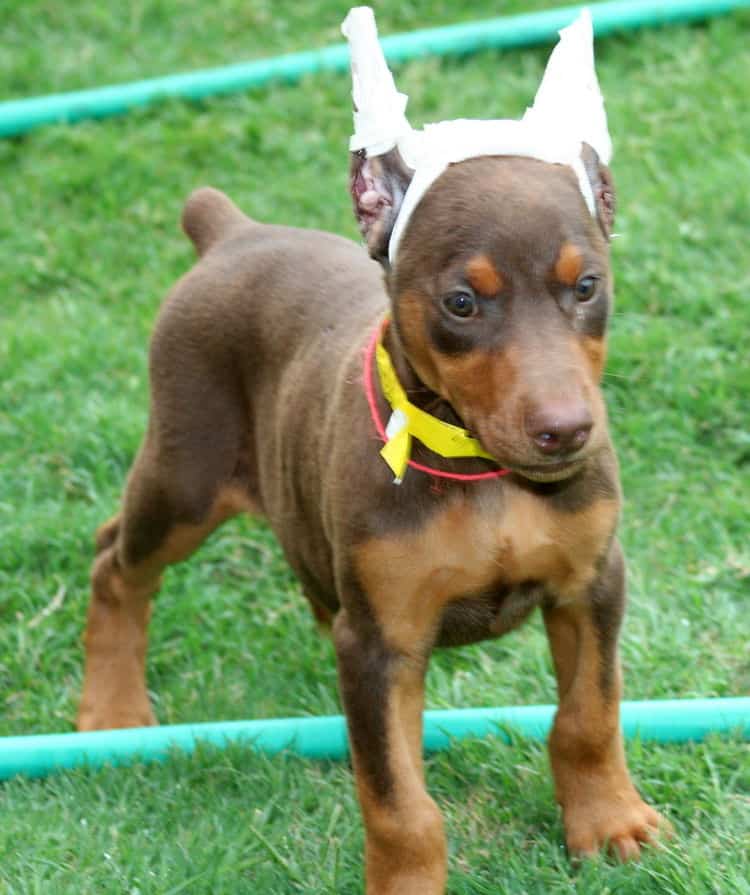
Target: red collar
x,y
372,402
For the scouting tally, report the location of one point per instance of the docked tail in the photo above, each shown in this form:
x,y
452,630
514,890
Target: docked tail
x,y
208,216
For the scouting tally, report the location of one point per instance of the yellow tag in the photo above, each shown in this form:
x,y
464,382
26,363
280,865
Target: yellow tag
x,y
396,453
442,438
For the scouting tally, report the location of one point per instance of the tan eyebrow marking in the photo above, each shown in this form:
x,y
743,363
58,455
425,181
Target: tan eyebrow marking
x,y
569,264
483,276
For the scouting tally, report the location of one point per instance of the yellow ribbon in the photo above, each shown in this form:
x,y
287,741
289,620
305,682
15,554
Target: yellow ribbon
x,y
408,421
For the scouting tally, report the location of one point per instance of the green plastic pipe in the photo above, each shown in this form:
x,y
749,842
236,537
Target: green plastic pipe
x,y
19,116
665,721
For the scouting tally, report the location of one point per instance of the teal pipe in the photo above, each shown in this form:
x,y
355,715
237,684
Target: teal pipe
x,y
664,721
19,116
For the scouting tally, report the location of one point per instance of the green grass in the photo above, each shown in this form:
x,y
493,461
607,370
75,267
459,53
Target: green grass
x,y
90,243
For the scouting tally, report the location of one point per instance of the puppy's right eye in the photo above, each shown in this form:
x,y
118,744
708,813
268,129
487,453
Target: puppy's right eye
x,y
460,304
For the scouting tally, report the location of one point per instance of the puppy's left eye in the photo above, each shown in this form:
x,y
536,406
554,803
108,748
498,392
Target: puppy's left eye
x,y
585,288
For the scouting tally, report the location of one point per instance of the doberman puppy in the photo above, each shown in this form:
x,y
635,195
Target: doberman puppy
x,y
493,315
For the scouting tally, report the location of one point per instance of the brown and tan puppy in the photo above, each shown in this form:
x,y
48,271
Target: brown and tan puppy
x,y
499,299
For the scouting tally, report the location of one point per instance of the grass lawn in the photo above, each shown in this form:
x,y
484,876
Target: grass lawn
x,y
90,243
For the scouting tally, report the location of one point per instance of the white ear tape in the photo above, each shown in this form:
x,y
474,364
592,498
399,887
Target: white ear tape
x,y
568,100
568,110
379,119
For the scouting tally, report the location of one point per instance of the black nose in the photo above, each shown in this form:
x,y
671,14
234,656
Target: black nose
x,y
560,428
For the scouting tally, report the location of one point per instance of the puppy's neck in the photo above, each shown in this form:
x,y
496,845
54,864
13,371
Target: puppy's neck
x,y
419,394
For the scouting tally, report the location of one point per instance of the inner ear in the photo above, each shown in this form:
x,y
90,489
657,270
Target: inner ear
x,y
602,186
377,186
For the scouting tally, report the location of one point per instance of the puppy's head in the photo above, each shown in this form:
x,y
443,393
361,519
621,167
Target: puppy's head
x,y
500,292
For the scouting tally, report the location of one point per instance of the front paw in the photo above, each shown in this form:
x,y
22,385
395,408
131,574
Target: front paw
x,y
619,821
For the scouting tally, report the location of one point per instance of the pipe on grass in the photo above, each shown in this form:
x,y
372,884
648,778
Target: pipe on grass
x,y
19,116
664,721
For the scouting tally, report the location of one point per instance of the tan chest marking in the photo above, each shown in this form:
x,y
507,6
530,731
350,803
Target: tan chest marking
x,y
474,545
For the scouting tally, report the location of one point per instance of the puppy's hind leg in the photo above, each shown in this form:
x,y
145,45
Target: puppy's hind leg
x,y
178,492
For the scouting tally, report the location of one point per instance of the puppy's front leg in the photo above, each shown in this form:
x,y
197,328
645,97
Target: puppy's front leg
x,y
382,688
601,807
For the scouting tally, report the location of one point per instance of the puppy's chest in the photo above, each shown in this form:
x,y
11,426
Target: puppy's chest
x,y
490,552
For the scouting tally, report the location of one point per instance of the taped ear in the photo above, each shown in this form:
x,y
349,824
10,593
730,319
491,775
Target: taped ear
x,y
602,187
377,186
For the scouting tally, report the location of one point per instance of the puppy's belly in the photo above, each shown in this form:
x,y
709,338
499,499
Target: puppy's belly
x,y
483,616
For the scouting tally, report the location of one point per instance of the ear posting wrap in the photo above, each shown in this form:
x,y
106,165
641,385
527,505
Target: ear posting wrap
x,y
568,110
